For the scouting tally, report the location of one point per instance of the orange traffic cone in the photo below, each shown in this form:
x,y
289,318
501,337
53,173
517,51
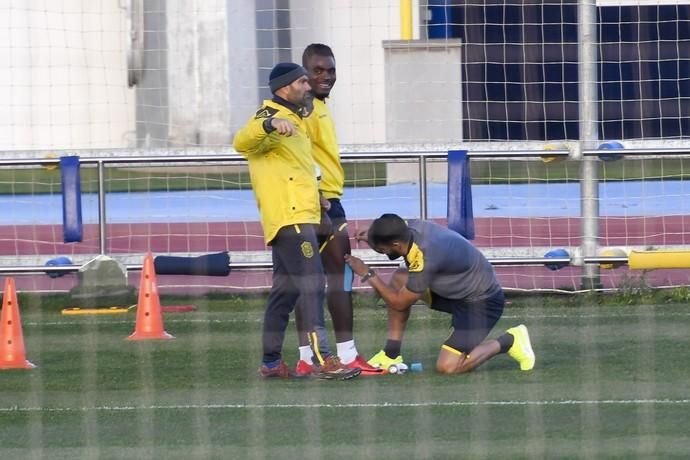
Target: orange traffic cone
x,y
12,353
149,317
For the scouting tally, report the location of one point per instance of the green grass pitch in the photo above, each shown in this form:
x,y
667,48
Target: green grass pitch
x,y
610,382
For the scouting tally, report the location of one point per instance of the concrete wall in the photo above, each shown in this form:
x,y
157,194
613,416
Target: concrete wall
x,y
423,91
207,65
355,29
63,79
205,69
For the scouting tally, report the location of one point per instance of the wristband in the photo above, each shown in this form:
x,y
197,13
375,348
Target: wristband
x,y
268,127
370,274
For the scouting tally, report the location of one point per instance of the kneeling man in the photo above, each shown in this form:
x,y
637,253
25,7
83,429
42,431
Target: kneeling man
x,y
450,275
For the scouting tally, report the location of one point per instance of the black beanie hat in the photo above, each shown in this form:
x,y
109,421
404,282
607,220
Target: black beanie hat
x,y
283,74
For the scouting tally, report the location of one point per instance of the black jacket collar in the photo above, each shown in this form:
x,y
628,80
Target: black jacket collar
x,y
293,107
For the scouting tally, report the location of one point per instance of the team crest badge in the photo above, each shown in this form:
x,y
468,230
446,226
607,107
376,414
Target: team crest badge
x,y
265,112
307,249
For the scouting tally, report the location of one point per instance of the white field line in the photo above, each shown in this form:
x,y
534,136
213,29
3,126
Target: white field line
x,y
567,402
258,319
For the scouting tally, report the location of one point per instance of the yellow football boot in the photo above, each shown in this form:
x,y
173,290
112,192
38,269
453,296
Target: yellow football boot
x,y
521,351
381,361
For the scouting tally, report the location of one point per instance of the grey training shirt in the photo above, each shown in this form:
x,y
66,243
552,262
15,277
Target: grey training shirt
x,y
446,263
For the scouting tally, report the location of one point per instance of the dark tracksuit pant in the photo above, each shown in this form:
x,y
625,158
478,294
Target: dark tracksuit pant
x,y
298,276
334,243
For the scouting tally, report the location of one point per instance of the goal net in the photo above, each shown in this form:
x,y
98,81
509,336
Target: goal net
x,y
141,78
149,94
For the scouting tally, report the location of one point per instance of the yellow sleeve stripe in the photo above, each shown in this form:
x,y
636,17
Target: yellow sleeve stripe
x,y
451,349
342,226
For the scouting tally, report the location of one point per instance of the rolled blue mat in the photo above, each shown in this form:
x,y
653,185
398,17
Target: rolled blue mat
x,y
72,228
460,214
207,265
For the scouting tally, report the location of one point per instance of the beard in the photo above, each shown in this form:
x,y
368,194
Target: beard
x,y
321,94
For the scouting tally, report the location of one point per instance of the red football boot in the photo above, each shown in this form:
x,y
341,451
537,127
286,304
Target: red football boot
x,y
365,367
333,369
303,369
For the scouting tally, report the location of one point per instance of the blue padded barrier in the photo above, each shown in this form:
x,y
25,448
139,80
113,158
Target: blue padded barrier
x,y
72,228
460,215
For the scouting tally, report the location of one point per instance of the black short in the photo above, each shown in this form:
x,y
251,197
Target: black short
x,y
472,321
336,212
338,220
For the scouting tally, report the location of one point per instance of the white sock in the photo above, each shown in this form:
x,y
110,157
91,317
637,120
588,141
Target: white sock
x,y
305,353
347,351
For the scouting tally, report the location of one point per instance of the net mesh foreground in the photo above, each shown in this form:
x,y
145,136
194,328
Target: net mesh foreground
x,y
609,382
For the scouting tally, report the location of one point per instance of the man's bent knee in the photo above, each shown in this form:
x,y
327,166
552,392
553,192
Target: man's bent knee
x,y
457,368
451,362
445,368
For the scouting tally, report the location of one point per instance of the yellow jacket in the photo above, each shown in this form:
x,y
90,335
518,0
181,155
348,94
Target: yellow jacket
x,y
281,170
325,149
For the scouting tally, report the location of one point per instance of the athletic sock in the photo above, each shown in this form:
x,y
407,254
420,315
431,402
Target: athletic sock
x,y
305,353
392,348
506,341
347,351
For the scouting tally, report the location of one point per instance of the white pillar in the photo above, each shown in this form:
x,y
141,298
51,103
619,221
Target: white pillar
x,y
242,63
198,80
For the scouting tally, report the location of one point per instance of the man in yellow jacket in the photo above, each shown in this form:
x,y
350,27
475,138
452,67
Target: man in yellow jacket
x,y
283,176
319,62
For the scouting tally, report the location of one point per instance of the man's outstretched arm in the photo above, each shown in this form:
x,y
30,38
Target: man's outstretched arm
x,y
397,299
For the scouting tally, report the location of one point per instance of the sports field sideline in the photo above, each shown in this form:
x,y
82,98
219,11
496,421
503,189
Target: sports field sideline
x,y
610,382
